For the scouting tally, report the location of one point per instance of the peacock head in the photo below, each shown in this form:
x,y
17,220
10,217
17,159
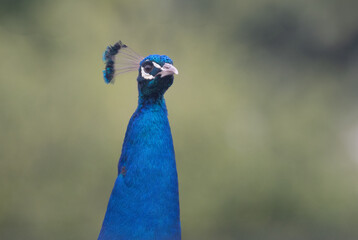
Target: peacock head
x,y
155,71
156,75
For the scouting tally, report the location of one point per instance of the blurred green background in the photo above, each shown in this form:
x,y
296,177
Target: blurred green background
x,y
263,114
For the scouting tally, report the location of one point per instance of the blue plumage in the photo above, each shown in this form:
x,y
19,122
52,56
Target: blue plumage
x,y
108,58
144,203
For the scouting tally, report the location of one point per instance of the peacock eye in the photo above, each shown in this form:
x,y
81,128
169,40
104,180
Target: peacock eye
x,y
148,67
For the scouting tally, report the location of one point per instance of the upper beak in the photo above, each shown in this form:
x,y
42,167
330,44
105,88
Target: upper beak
x,y
167,70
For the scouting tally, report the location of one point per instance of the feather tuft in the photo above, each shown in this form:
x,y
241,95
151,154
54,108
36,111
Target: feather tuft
x,y
119,59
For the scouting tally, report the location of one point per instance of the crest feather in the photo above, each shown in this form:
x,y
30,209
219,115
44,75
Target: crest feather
x,y
119,59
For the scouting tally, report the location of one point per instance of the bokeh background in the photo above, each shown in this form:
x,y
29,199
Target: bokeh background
x,y
263,114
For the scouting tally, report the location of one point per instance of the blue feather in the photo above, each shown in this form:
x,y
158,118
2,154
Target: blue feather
x,y
108,58
130,61
144,203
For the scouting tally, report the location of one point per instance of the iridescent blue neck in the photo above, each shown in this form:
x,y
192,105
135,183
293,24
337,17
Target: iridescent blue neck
x,y
153,102
144,203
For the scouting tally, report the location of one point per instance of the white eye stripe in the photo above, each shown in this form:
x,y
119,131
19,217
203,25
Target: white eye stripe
x,y
156,65
146,75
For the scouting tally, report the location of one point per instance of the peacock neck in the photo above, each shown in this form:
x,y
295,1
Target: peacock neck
x,y
156,100
149,135
144,203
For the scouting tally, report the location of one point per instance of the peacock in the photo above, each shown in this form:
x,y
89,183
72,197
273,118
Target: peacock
x,y
144,203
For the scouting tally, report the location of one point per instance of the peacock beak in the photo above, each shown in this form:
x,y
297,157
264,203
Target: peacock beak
x,y
168,69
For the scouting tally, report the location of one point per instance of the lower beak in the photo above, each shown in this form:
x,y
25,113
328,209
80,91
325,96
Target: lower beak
x,y
168,69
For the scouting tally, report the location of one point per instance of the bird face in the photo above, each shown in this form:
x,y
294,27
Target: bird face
x,y
155,75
